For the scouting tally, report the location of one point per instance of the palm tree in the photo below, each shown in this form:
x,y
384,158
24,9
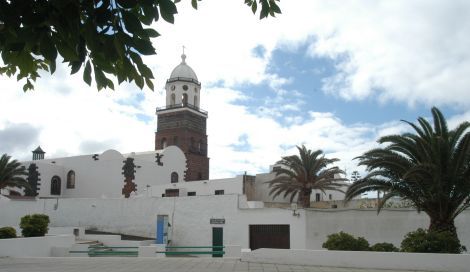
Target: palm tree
x,y
300,174
430,168
12,173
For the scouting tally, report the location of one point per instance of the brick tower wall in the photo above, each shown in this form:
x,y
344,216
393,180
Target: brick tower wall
x,y
186,130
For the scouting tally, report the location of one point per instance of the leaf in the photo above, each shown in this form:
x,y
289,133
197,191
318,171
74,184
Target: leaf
x,y
275,8
167,10
152,33
194,3
149,84
127,3
75,66
28,86
139,81
144,46
254,7
131,22
150,14
87,73
264,9
100,78
110,83
47,48
66,52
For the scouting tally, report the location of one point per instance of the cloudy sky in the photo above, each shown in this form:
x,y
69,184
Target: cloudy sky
x,y
333,75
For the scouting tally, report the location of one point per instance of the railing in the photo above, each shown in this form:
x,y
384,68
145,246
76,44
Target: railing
x,y
187,79
101,251
217,251
182,105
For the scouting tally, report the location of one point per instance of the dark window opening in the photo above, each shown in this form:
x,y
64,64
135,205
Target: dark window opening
x,y
330,197
219,192
199,175
317,197
55,185
172,192
174,177
191,193
71,179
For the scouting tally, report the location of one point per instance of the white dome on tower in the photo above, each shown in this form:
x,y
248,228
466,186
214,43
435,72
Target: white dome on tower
x,y
183,70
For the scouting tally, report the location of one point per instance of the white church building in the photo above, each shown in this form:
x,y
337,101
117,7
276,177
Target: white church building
x,y
138,193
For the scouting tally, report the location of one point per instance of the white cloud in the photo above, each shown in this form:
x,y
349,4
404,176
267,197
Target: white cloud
x,y
408,51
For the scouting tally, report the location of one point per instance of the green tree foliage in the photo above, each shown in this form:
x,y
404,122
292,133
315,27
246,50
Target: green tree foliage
x,y
300,174
104,37
429,167
345,241
7,232
384,247
12,173
34,225
431,242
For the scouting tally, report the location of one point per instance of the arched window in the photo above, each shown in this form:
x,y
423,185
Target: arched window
x,y
195,100
71,179
199,145
185,99
173,99
55,185
175,140
199,176
163,143
174,177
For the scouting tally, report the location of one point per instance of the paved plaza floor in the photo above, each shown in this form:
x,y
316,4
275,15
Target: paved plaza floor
x,y
126,264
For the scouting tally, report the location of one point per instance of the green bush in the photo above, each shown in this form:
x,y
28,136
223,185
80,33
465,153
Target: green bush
x,y
345,241
431,242
34,225
7,232
384,247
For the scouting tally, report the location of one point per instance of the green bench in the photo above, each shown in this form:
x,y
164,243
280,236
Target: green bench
x,y
217,251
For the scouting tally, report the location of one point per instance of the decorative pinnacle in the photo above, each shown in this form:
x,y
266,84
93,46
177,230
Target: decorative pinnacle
x,y
183,56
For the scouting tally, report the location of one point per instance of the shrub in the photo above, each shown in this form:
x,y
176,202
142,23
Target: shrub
x,y
34,225
431,242
345,241
7,232
384,247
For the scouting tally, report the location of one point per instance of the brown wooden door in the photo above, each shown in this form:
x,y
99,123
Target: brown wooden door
x,y
269,236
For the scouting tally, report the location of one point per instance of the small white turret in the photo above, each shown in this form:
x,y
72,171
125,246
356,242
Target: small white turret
x,y
183,88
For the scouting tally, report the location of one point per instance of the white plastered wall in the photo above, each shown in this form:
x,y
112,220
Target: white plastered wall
x,y
202,187
103,177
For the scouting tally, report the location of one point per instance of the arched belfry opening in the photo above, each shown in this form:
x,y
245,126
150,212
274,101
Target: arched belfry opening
x,y
182,120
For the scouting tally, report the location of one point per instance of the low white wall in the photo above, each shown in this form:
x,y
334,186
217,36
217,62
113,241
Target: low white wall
x,y
190,219
361,259
34,246
390,225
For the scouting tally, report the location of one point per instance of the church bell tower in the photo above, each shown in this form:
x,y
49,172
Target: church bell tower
x,y
182,123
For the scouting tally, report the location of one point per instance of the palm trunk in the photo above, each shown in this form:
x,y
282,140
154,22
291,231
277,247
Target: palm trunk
x,y
439,225
304,198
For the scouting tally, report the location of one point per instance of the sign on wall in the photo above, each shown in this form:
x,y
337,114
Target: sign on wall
x,y
218,221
